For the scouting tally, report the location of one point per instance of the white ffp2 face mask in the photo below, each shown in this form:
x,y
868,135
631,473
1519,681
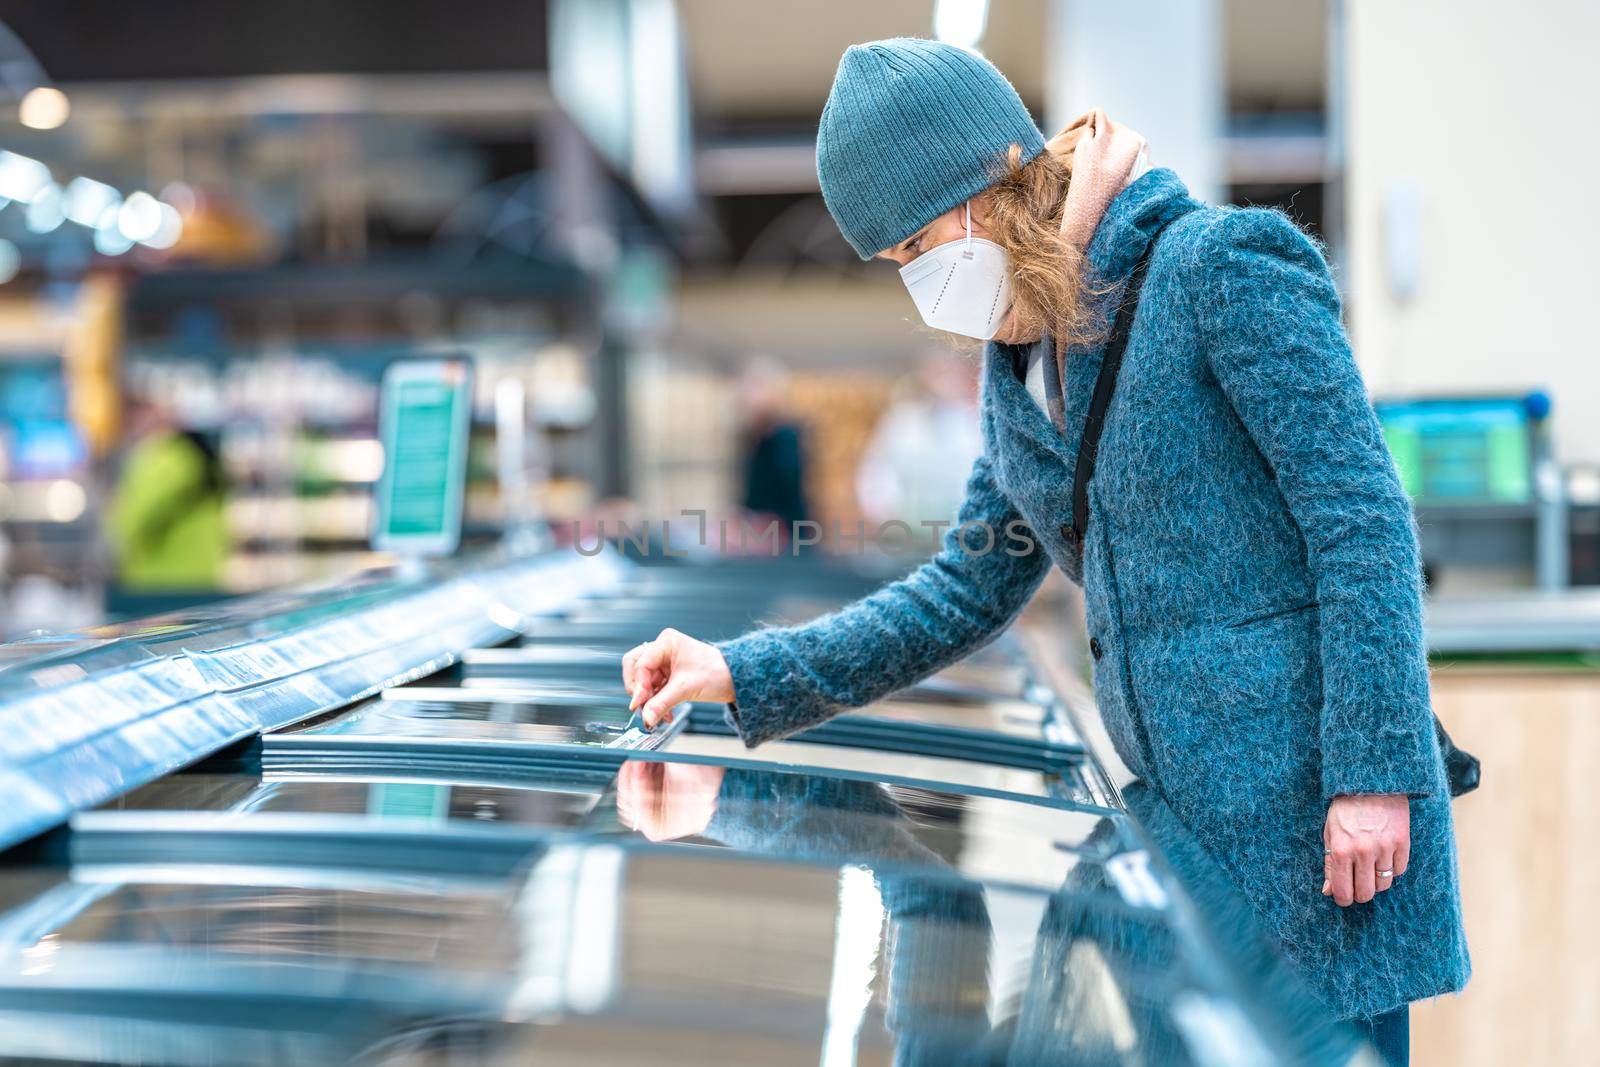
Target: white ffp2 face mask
x,y
962,286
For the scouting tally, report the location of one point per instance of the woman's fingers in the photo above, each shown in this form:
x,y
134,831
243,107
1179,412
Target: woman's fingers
x,y
652,665
1365,885
1363,835
677,688
1384,872
671,669
1341,879
627,666
644,687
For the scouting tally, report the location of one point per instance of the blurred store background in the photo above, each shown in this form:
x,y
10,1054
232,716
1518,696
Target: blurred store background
x,y
220,223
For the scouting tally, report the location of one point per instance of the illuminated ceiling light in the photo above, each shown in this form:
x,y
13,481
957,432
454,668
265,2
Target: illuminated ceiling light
x,y
88,201
21,178
960,22
139,217
10,261
44,108
64,501
168,230
108,239
48,209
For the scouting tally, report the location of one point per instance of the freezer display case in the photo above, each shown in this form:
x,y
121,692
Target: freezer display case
x,y
447,841
620,955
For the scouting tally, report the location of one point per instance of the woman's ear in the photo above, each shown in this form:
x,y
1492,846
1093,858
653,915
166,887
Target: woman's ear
x,y
981,206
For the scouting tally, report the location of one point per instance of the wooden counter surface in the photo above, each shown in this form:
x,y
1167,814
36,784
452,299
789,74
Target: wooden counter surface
x,y
1530,867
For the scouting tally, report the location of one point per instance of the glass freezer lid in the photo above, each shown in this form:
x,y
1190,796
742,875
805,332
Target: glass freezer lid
x,y
460,756
188,972
441,689
446,925
547,692
999,724
560,803
822,819
525,718
937,772
1011,723
399,724
616,954
901,969
1064,769
1003,731
319,820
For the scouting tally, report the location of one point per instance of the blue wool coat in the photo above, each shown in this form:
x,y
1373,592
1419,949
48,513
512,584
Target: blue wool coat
x,y
1251,576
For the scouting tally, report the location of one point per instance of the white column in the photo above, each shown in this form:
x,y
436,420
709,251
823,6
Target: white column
x,y
1153,64
1469,217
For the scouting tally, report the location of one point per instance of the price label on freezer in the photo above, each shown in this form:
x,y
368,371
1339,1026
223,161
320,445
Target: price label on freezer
x,y
424,421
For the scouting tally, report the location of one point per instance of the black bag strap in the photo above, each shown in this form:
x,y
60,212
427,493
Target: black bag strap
x,y
1104,386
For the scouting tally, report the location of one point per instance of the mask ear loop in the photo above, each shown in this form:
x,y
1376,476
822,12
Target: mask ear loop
x,y
968,250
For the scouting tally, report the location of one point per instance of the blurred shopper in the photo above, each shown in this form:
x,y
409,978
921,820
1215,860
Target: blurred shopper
x,y
1246,550
915,467
774,453
167,525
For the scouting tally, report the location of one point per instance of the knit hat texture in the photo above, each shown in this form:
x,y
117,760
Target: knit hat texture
x,y
911,129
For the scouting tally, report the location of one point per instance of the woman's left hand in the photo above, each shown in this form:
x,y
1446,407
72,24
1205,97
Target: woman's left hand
x,y
1366,845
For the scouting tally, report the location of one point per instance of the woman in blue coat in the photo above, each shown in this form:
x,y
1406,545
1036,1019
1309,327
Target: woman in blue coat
x,y
1249,561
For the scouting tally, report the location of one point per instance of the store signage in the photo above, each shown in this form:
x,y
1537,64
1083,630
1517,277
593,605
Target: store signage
x,y
425,411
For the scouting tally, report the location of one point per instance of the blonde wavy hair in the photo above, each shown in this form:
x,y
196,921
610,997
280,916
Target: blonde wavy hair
x,y
1049,290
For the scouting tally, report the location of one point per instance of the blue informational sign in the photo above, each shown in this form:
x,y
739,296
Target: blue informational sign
x,y
425,416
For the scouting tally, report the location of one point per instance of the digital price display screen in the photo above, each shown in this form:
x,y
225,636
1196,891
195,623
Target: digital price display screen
x,y
1461,451
425,415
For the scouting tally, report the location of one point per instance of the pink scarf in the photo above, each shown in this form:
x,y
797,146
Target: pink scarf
x,y
1104,158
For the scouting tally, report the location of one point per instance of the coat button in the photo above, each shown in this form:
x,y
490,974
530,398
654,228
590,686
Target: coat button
x,y
1095,649
1069,534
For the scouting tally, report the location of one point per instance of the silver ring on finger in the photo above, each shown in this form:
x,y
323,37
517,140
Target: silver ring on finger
x,y
1386,874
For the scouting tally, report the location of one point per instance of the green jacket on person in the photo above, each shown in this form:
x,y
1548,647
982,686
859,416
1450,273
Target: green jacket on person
x,y
167,525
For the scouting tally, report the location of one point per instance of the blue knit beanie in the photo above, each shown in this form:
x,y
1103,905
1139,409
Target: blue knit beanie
x,y
911,129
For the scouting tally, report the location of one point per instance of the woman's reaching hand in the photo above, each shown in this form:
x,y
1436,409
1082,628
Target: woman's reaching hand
x,y
663,673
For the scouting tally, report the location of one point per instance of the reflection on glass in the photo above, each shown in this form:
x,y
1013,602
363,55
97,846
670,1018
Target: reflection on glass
x,y
798,816
556,805
938,770
598,948
666,801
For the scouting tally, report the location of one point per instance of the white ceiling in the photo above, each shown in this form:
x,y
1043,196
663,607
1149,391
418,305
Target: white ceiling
x,y
761,58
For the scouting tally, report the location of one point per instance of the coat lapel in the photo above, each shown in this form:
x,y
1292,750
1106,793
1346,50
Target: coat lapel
x,y
1027,444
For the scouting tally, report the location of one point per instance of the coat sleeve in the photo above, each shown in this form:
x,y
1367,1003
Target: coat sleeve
x,y
785,680
1269,319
